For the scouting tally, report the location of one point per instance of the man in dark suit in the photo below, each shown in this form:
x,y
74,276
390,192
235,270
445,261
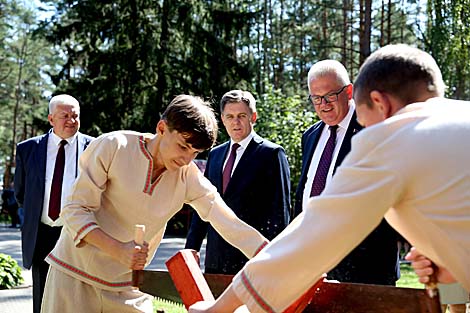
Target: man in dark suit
x,y
258,190
375,260
34,175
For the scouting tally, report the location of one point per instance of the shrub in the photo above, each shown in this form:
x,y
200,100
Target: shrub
x,y
10,272
283,120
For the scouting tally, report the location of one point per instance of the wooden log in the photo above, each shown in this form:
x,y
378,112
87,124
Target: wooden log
x,y
323,297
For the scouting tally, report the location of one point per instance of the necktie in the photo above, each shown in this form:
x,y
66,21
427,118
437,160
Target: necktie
x,y
229,166
56,186
324,165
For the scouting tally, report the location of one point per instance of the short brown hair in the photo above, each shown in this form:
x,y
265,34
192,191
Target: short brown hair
x,y
194,119
398,70
234,96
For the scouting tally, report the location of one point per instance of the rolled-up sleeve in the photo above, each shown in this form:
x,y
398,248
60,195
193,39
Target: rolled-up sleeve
x,y
85,199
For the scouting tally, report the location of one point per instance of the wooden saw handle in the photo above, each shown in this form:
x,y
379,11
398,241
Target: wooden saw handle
x,y
139,232
431,286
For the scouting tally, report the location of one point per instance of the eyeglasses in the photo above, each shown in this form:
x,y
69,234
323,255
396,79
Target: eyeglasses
x,y
67,116
330,97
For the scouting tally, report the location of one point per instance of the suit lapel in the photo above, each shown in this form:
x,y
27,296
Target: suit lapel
x,y
39,176
83,142
240,171
353,129
310,144
247,155
41,156
218,161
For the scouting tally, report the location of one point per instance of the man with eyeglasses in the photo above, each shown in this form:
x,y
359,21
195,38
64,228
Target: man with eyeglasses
x,y
324,146
407,165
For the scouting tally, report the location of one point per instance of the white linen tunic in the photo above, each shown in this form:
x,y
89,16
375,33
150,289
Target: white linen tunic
x,y
414,168
114,192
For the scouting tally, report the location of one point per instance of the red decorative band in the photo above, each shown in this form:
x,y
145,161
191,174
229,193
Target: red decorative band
x,y
86,275
264,244
81,230
255,295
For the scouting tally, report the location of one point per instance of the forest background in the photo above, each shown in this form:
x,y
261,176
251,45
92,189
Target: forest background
x,y
126,59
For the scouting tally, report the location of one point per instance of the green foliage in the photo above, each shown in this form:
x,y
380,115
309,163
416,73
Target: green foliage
x,y
10,272
162,305
447,38
125,60
408,277
24,59
283,119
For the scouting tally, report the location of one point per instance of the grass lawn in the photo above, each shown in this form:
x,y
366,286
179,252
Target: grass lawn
x,y
160,305
408,279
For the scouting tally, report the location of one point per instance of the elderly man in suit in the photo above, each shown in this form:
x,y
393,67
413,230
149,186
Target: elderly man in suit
x,y
330,93
41,189
255,185
406,165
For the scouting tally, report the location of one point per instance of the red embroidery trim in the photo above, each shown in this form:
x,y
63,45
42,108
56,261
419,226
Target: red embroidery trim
x,y
81,230
149,157
155,184
148,188
88,276
264,244
255,295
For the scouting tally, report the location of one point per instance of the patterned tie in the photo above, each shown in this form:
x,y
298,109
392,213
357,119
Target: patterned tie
x,y
229,166
56,186
324,164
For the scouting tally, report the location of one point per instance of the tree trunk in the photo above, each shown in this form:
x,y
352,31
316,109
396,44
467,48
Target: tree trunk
x,y
382,22
161,83
21,61
365,29
344,35
389,22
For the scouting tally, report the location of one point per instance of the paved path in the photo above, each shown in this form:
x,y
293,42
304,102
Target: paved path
x,y
19,300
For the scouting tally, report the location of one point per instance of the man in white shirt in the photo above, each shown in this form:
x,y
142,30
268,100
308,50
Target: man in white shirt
x,y
408,165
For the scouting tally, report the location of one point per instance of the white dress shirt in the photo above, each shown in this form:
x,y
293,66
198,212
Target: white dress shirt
x,y
73,150
240,150
409,169
340,134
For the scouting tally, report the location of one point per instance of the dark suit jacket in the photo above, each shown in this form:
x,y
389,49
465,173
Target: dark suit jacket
x,y
375,260
258,193
30,177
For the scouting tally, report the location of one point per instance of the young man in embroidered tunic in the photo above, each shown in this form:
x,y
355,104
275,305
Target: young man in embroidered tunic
x,y
130,178
408,165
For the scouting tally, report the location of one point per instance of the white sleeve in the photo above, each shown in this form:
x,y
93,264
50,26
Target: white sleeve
x,y
211,208
351,206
